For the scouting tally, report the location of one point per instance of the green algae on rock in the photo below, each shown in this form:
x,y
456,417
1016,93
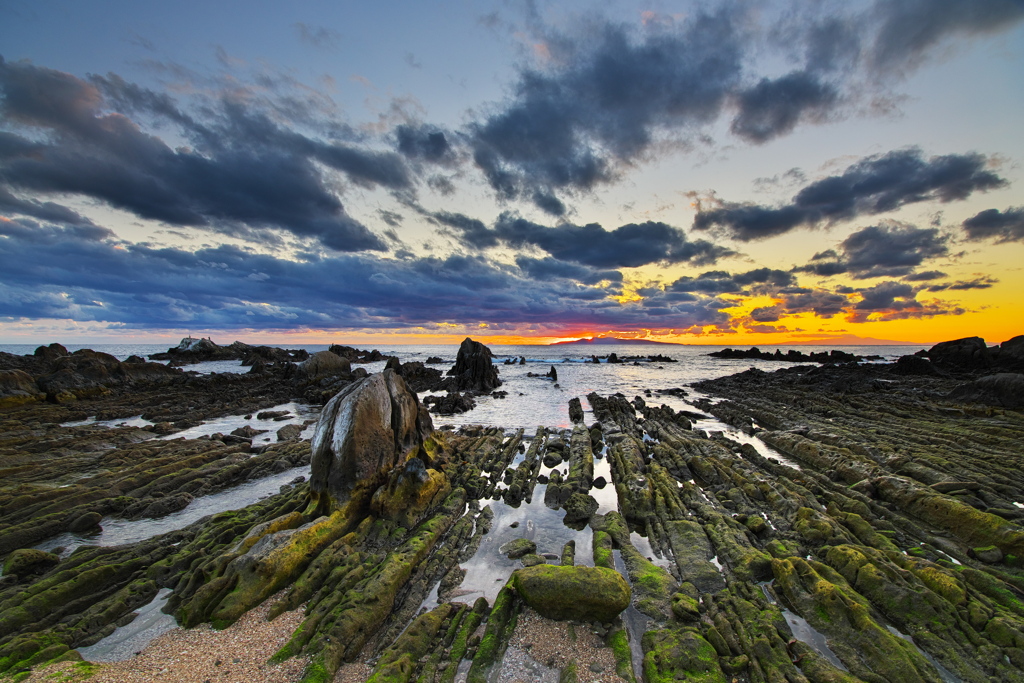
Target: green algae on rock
x,y
578,593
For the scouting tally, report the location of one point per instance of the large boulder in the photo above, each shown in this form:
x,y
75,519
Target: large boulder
x,y
1005,389
370,427
1011,354
969,353
324,364
51,352
18,387
473,369
577,593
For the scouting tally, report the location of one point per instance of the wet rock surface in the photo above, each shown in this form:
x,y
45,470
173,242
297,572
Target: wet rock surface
x,y
854,523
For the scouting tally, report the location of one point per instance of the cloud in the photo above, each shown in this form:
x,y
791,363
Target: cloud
x,y
246,175
549,268
924,276
601,97
881,251
90,275
1004,226
764,280
317,36
896,301
424,142
628,246
773,107
962,285
875,184
574,124
910,28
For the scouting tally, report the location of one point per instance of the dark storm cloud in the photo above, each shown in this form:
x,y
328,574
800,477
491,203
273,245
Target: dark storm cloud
x,y
606,94
470,231
820,302
752,282
896,301
571,127
881,251
628,246
773,107
1004,226
45,211
423,142
89,275
247,173
963,285
909,28
924,276
549,269
875,184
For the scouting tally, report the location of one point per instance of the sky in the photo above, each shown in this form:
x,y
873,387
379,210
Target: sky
x,y
724,173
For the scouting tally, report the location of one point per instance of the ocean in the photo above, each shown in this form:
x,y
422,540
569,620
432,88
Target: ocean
x,y
534,401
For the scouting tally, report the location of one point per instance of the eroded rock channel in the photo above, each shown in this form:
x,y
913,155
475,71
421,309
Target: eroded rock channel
x,y
890,549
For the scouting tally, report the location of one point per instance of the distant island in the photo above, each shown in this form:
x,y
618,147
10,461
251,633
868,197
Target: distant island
x,y
615,340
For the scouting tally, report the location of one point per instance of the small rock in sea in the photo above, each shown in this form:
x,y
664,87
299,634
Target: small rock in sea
x,y
516,548
514,525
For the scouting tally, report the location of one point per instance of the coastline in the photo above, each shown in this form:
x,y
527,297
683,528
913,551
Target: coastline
x,y
826,470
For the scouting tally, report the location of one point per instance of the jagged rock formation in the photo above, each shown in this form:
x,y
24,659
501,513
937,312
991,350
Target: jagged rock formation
x,y
191,350
792,355
473,369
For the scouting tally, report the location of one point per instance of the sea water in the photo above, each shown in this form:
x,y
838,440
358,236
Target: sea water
x,y
533,401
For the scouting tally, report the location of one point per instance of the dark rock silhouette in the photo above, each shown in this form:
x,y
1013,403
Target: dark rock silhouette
x,y
1004,389
969,353
792,355
473,369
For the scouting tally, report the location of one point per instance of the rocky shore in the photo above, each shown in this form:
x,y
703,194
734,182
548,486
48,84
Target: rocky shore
x,y
863,524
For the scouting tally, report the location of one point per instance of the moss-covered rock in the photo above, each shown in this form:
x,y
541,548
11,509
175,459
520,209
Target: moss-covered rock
x,y
577,593
29,561
516,548
579,507
410,492
678,655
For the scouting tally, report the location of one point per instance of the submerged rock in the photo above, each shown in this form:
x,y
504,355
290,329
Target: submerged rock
x,y
577,593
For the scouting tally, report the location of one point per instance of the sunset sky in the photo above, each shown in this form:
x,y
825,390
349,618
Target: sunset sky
x,y
415,172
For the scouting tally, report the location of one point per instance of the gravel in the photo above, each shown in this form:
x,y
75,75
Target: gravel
x,y
537,651
204,655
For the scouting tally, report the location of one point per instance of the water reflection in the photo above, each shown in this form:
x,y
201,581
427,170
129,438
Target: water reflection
x,y
116,531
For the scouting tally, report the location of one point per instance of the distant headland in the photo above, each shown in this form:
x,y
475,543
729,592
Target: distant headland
x,y
615,340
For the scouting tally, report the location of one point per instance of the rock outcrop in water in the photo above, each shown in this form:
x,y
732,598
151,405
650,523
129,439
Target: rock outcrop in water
x,y
473,369
191,350
792,355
